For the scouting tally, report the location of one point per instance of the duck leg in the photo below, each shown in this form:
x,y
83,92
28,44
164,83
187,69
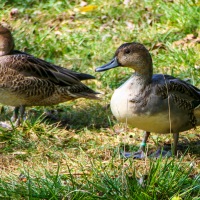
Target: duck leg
x,y
140,154
21,116
15,114
174,148
18,115
165,153
14,118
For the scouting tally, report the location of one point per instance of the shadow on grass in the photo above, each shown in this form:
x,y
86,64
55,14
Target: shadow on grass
x,y
189,147
70,116
92,116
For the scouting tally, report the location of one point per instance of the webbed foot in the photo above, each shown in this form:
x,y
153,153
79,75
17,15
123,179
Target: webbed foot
x,y
140,154
6,125
161,153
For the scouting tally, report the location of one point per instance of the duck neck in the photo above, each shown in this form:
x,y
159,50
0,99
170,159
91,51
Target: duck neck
x,y
144,76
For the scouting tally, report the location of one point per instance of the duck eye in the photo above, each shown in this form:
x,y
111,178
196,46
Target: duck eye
x,y
127,51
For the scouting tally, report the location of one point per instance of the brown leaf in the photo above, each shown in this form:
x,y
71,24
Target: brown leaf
x,y
14,12
158,45
189,37
189,41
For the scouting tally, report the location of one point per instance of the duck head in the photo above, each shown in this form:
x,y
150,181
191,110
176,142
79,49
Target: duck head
x,y
133,55
6,40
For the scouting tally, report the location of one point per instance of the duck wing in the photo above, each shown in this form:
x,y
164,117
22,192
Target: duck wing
x,y
179,88
28,65
184,95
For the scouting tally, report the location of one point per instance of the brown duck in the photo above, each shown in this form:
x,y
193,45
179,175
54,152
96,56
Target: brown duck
x,y
29,81
152,102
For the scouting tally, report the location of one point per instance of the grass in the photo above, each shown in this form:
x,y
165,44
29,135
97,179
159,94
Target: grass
x,y
74,153
102,184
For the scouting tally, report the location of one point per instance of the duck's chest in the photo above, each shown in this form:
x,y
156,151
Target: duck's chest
x,y
144,107
137,105
126,99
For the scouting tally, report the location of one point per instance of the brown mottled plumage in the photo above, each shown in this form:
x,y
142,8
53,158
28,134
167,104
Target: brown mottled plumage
x,y
152,102
29,81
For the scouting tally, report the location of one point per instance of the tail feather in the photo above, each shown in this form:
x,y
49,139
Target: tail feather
x,y
82,76
88,95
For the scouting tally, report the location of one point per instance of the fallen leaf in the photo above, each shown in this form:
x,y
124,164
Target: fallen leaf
x,y
189,37
158,45
176,198
189,41
88,8
14,12
19,153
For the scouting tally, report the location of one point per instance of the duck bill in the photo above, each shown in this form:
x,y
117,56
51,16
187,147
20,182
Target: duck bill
x,y
112,64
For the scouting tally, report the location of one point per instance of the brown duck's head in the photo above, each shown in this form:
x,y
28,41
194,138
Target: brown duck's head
x,y
133,55
6,39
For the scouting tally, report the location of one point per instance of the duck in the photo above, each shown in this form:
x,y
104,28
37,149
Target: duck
x,y
156,103
29,81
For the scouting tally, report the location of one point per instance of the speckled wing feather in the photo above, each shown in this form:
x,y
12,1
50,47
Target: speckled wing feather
x,y
41,69
174,85
183,94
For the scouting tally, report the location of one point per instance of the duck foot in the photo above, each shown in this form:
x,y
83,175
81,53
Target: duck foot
x,y
6,126
141,154
161,153
136,155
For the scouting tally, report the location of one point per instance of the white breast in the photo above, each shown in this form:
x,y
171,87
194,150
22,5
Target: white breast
x,y
125,111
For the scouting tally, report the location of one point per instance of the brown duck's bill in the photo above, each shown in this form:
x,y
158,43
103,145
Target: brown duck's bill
x,y
112,64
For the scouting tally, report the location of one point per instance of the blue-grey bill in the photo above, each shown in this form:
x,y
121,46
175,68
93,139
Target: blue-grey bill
x,y
112,64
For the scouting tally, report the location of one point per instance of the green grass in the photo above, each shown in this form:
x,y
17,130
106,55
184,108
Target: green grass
x,y
74,153
103,184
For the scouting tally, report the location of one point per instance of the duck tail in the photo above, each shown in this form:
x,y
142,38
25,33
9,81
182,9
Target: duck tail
x,y
88,95
82,76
